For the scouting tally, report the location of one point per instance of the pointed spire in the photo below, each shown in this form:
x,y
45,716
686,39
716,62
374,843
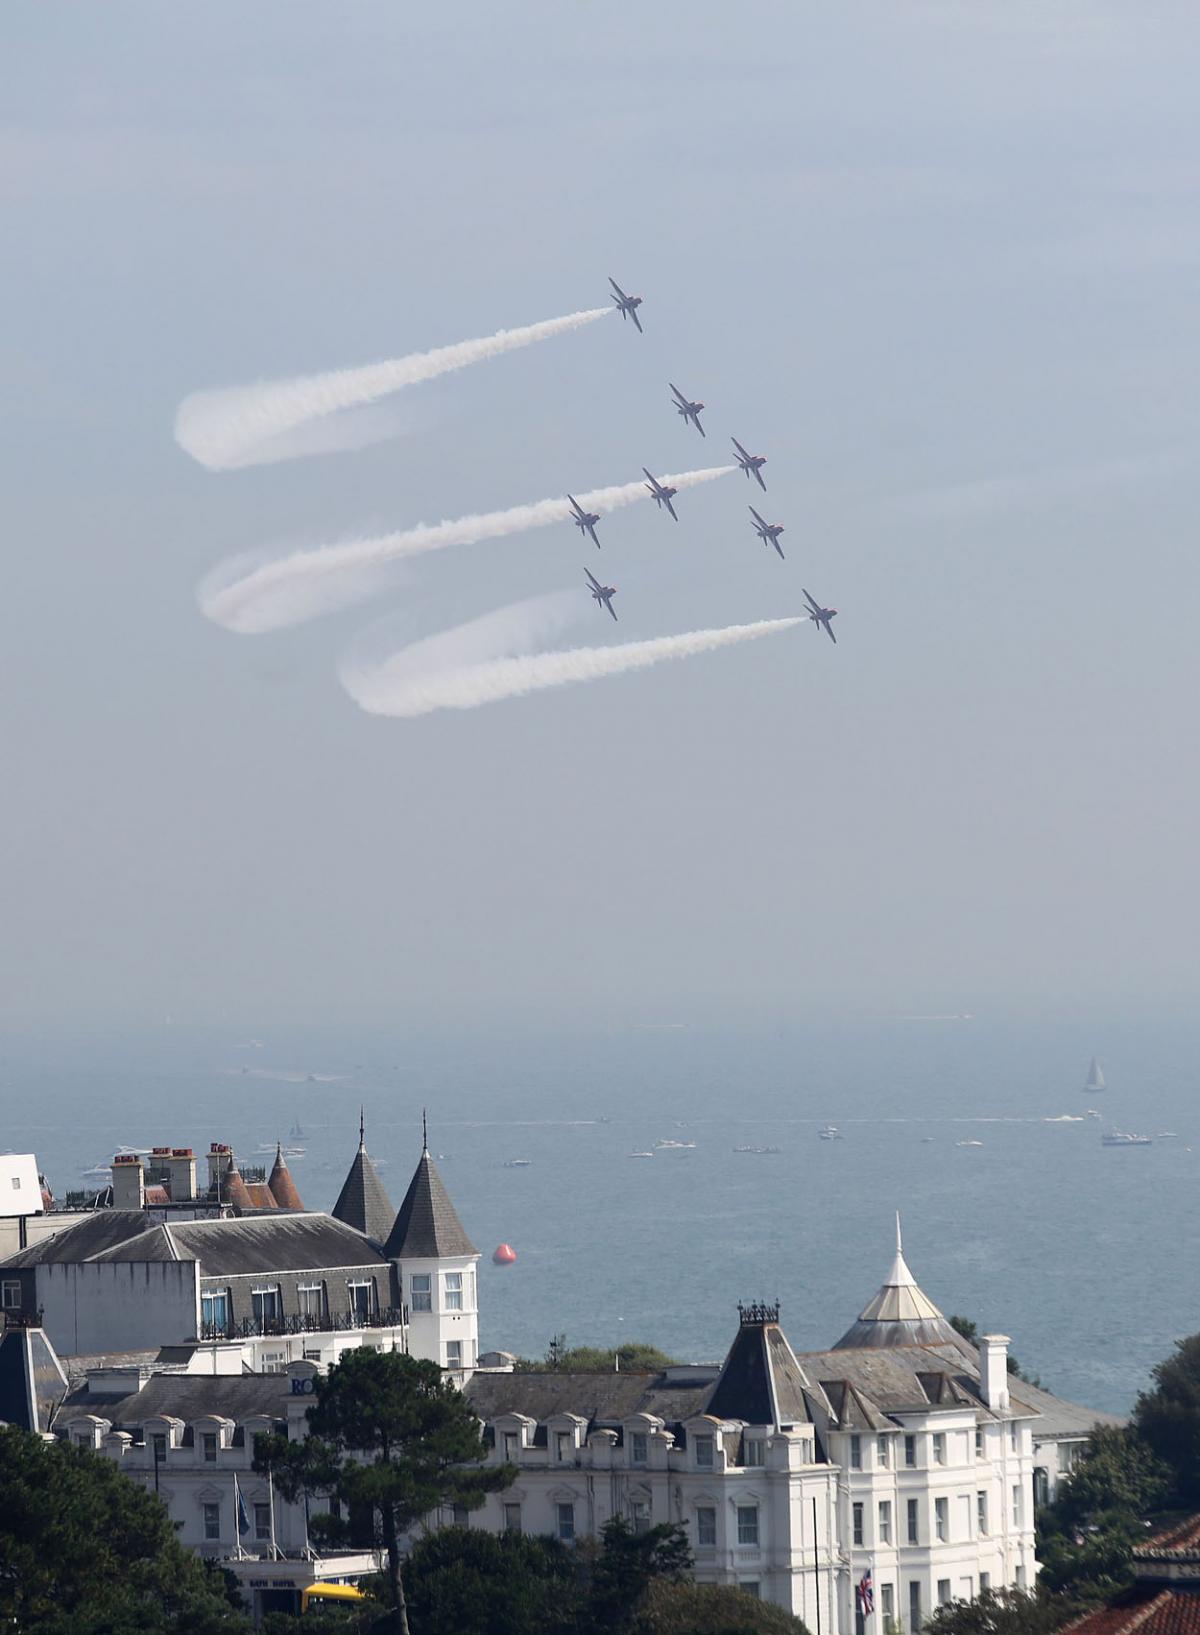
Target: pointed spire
x,y
424,1133
280,1184
363,1203
900,1313
427,1226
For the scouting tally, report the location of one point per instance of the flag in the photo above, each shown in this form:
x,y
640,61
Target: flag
x,y
866,1595
243,1520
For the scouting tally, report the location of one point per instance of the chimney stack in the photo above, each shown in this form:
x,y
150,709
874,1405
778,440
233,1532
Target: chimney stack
x,y
993,1370
182,1168
128,1181
220,1157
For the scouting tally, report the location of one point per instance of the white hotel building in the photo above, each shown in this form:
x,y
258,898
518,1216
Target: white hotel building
x,y
902,1452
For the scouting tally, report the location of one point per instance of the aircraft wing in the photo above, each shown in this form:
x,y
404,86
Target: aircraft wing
x,y
756,516
575,506
779,548
831,635
591,528
679,397
758,479
637,322
618,289
655,486
671,509
593,580
612,610
739,448
810,601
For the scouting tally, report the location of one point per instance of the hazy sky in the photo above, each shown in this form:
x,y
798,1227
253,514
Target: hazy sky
x,y
939,261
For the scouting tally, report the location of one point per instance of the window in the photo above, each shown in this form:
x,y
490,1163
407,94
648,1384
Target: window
x,y
214,1312
1068,1456
637,1448
857,1513
856,1453
1020,1578
939,1447
943,1592
420,1296
158,1446
941,1519
1014,1436
212,1521
747,1523
362,1300
1041,1487
312,1356
749,1586
265,1304
913,1536
985,1582
910,1452
562,1447
704,1453
10,1295
565,1515
454,1291
460,1516
885,1521
981,1514
262,1521
639,1515
512,1518
208,1443
274,1362
887,1603
510,1447
453,1353
979,1441
706,1527
310,1299
755,1451
914,1605
883,1449
1016,1504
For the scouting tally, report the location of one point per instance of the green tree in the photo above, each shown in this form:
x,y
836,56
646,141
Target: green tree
x,y
1168,1418
999,1612
85,1551
969,1330
632,1357
712,1609
467,1582
1116,1472
627,1564
391,1439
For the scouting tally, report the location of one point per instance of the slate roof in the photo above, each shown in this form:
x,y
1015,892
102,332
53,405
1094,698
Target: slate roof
x,y
761,1382
363,1203
898,1379
601,1399
84,1240
1061,1418
186,1397
273,1243
427,1226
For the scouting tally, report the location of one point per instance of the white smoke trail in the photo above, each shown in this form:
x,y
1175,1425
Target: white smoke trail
x,y
250,595
231,426
448,672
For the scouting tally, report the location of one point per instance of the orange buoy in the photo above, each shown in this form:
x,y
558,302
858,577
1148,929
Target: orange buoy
x,y
504,1255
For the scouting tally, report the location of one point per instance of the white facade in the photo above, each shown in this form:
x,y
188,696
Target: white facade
x,y
442,1300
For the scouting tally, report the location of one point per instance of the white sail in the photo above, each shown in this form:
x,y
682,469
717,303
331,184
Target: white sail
x,y
1095,1078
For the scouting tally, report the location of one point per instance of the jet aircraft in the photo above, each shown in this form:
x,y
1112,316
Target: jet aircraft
x,y
602,595
768,532
585,521
663,493
821,616
751,464
627,305
689,410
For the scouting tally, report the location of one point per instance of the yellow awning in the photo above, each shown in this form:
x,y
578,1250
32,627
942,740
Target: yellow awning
x,y
331,1592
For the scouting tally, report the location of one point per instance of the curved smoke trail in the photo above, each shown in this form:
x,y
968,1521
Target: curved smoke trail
x,y
449,671
233,426
250,595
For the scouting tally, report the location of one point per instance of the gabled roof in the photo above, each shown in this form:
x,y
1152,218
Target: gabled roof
x,y
901,1313
761,1381
84,1240
427,1226
363,1203
601,1399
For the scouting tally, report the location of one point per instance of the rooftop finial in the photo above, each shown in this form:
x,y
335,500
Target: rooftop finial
x,y
899,1242
424,1134
362,1129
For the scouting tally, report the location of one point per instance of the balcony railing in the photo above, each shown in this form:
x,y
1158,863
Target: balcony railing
x,y
249,1328
21,1319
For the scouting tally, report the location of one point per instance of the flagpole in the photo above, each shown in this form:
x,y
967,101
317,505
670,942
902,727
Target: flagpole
x,y
237,1517
271,1503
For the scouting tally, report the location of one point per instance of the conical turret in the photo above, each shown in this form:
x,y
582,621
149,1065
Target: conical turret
x,y
363,1202
901,1313
280,1184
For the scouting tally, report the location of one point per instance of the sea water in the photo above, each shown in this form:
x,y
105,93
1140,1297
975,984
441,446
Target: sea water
x,y
1083,1254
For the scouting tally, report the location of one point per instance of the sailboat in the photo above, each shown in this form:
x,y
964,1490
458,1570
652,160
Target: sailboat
x,y
296,1133
1095,1078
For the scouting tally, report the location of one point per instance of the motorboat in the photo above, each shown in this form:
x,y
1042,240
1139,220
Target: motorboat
x,y
829,1132
1065,1118
517,1163
758,1149
969,1143
678,1145
1123,1138
641,1155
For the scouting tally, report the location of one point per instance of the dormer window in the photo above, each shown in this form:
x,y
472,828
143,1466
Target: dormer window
x,y
511,1443
856,1453
637,1448
704,1452
562,1447
755,1451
